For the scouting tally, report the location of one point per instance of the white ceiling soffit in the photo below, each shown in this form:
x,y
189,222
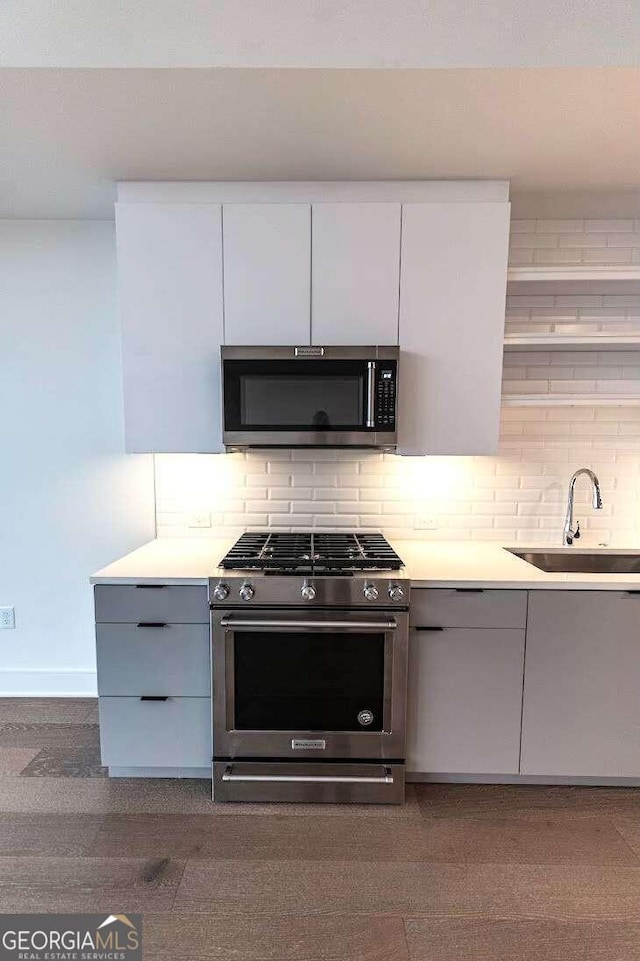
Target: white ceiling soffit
x,y
319,33
69,135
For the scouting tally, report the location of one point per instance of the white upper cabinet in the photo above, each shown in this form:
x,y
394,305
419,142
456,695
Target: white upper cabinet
x,y
267,273
355,273
452,298
170,302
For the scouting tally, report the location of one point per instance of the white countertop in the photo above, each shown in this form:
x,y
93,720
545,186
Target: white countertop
x,y
427,564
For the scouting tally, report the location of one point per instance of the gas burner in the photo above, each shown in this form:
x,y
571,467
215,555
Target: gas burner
x,y
310,552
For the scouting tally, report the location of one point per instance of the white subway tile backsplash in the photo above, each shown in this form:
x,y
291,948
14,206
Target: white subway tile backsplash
x,y
557,226
612,255
609,226
520,258
585,240
569,255
523,226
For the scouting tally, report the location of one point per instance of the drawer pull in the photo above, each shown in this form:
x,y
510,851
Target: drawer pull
x,y
150,587
469,590
421,628
148,697
151,624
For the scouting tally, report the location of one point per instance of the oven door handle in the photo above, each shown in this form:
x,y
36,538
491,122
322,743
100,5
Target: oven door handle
x,y
233,622
386,778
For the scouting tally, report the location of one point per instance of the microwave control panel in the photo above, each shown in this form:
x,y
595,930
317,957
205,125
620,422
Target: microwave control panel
x,y
385,416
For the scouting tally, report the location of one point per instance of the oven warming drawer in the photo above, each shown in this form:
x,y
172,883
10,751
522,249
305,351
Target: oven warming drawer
x,y
300,781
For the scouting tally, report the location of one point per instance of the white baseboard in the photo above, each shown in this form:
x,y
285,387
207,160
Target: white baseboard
x,y
48,684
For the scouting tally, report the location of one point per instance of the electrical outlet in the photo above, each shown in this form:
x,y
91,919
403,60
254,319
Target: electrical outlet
x,y
7,618
423,522
199,519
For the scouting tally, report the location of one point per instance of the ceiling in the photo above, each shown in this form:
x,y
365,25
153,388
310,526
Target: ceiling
x,y
70,134
319,33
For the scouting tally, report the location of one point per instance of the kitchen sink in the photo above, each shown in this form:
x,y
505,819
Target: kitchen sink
x,y
576,562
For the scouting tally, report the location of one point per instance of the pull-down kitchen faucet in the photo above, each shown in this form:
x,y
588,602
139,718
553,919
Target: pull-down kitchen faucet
x,y
568,533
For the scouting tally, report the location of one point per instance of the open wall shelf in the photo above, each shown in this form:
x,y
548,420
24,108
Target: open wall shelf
x,y
576,342
571,400
579,279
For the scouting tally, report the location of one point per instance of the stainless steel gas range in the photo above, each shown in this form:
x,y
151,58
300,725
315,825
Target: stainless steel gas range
x,y
309,664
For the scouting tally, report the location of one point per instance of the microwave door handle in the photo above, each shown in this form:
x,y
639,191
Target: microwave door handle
x,y
371,393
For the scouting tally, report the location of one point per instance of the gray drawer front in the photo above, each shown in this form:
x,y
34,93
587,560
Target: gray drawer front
x,y
451,608
173,605
153,660
171,733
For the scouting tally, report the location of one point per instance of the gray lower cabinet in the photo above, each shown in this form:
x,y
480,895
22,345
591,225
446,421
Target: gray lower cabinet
x,y
172,733
581,712
154,679
172,659
460,607
464,699
145,603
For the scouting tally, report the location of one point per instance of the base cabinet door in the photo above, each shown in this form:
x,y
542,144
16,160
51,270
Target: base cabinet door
x,y
464,701
171,733
581,711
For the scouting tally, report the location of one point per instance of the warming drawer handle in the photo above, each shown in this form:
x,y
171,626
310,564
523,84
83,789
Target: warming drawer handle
x,y
389,625
386,778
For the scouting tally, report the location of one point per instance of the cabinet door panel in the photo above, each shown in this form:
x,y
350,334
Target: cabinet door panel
x,y
581,712
173,659
448,607
464,701
171,733
170,302
129,604
452,296
267,273
355,273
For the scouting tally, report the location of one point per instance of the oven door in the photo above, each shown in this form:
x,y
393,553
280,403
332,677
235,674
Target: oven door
x,y
274,398
309,685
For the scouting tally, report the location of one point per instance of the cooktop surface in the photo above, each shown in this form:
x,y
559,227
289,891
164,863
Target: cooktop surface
x,y
310,551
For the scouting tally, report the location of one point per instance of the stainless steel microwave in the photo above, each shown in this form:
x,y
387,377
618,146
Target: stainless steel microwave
x,y
310,396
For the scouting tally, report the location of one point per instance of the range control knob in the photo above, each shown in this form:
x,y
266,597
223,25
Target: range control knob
x,y
220,592
370,592
396,593
246,592
308,591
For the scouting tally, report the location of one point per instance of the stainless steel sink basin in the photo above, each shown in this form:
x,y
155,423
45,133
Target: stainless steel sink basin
x,y
576,562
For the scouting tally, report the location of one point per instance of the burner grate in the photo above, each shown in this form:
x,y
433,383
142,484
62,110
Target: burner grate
x,y
311,552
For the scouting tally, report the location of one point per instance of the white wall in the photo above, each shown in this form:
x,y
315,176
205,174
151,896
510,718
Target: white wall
x,y
70,501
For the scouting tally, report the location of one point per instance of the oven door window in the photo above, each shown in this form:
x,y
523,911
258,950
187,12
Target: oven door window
x,y
295,395
309,681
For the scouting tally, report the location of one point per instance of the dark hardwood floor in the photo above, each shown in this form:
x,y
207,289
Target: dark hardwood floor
x,y
460,873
